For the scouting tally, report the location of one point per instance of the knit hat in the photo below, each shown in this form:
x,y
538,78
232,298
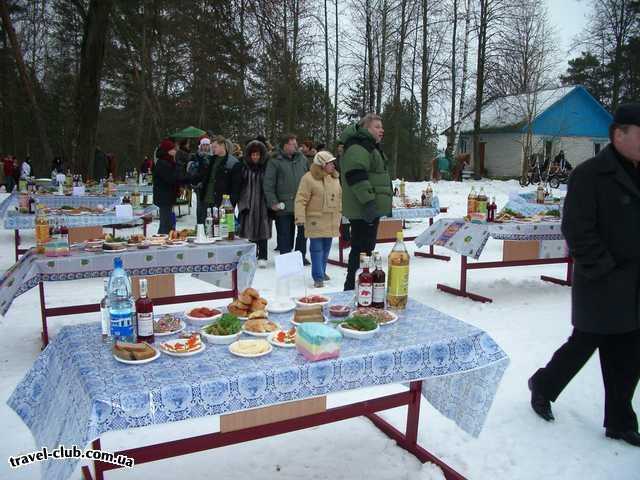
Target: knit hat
x,y
166,145
322,158
205,141
627,114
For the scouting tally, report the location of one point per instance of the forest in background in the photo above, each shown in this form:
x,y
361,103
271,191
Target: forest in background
x,y
123,74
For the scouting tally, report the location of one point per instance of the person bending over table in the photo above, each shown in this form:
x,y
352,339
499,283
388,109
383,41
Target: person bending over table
x,y
601,223
366,187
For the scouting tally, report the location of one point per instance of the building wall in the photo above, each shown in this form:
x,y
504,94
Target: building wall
x,y
503,151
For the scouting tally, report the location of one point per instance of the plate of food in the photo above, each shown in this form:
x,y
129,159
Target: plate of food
x,y
94,249
202,314
280,305
250,348
284,339
311,314
167,325
143,245
248,301
175,243
383,317
225,330
258,325
339,310
183,347
134,353
93,242
312,301
359,327
204,241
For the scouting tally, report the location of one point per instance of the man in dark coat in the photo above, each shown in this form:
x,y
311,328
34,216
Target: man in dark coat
x,y
601,223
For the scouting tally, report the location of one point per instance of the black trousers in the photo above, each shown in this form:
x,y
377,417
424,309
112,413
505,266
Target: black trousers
x,y
363,239
285,231
166,220
620,365
261,249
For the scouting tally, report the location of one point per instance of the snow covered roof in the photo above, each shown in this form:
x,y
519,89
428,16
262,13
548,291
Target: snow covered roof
x,y
510,112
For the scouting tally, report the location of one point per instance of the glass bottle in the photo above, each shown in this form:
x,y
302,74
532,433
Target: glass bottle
x,y
365,285
471,202
122,312
104,312
481,202
216,222
229,217
379,282
208,223
42,229
398,281
429,196
222,224
144,314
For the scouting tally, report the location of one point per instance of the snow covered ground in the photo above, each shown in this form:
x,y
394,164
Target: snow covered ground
x,y
529,319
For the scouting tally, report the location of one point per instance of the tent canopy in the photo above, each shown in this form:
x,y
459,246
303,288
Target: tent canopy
x,y
189,132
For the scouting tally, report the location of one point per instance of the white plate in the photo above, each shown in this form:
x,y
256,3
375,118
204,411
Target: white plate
x,y
220,339
394,320
307,305
176,243
117,250
206,241
282,306
272,340
260,334
138,362
243,355
166,334
297,324
347,332
188,354
201,319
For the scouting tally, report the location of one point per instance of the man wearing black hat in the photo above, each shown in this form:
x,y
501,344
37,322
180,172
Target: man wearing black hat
x,y
601,223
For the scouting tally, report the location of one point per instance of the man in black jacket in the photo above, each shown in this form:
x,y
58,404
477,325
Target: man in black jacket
x,y
601,223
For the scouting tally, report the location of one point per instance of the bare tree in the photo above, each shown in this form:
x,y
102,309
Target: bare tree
x,y
27,83
454,66
401,40
337,69
465,68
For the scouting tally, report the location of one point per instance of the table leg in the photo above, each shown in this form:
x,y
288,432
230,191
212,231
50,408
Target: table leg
x,y
43,313
559,281
462,291
234,282
432,253
97,466
16,242
342,244
409,440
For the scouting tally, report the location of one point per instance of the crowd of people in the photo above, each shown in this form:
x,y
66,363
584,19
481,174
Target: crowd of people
x,y
304,190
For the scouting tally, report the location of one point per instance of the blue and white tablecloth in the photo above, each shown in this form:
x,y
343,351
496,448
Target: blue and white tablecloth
x,y
412,213
57,201
16,221
469,239
215,259
525,204
76,391
122,188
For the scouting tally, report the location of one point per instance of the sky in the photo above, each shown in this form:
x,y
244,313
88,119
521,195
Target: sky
x,y
569,18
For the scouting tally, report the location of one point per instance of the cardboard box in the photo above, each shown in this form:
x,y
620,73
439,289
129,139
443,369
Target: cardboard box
x,y
80,234
159,286
520,250
388,228
274,413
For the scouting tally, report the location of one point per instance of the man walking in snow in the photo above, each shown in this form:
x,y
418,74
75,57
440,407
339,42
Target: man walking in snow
x,y
601,223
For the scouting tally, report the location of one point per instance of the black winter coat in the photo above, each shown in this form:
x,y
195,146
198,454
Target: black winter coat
x,y
166,180
228,178
601,223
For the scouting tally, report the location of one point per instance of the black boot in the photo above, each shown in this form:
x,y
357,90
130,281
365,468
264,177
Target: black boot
x,y
540,404
631,437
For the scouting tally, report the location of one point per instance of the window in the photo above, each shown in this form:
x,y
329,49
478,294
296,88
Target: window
x,y
463,145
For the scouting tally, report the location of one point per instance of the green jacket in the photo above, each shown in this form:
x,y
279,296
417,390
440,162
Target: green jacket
x,y
364,174
281,180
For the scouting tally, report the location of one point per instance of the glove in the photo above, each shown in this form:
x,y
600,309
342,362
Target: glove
x,y
370,212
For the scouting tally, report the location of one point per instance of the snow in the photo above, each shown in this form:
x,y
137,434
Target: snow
x,y
512,110
529,319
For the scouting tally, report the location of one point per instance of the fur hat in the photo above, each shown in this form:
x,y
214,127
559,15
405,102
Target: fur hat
x,y
627,114
322,158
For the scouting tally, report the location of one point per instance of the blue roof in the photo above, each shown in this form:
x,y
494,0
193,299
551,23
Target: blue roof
x,y
577,114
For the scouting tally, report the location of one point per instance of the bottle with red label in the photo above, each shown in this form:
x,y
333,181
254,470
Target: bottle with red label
x,y
379,282
144,314
365,285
